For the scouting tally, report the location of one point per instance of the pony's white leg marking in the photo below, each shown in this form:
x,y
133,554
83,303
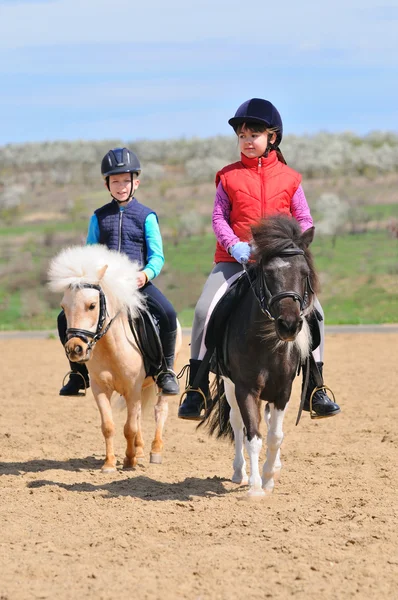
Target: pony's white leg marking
x,y
274,441
219,294
161,413
239,464
253,449
267,418
108,430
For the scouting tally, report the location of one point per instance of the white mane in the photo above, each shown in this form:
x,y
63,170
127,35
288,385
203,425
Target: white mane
x,y
77,265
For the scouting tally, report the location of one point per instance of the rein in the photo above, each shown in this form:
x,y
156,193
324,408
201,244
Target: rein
x,y
266,300
85,334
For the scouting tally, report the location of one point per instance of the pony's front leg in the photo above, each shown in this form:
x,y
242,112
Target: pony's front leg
x,y
108,430
139,441
239,464
274,441
131,428
248,404
278,462
161,413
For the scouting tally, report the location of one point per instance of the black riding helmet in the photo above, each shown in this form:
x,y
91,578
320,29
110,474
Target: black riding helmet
x,y
263,112
120,160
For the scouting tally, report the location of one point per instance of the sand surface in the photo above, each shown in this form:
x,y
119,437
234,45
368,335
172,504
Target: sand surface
x,y
182,529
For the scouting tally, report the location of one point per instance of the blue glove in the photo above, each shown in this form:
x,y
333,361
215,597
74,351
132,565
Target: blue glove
x,y
241,252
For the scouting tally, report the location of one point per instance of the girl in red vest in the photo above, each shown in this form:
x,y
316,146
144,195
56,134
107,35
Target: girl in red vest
x,y
259,185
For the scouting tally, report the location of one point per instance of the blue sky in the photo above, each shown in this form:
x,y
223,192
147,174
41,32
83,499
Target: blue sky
x,y
132,70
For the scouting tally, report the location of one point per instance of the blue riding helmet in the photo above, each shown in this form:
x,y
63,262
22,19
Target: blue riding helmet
x,y
120,160
257,110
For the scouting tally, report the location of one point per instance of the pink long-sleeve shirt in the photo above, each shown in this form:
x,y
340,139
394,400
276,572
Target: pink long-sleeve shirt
x,y
222,209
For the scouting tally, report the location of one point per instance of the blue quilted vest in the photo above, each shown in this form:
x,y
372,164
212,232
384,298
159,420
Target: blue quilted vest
x,y
124,230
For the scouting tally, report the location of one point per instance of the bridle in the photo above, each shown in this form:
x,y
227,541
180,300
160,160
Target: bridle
x,y
85,334
265,298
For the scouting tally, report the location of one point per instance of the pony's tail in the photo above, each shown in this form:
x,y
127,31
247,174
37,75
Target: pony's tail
x,y
216,421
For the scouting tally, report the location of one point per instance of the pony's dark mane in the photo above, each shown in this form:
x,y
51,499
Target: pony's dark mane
x,y
277,233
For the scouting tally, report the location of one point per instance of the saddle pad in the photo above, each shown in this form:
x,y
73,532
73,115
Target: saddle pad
x,y
148,340
225,307
313,321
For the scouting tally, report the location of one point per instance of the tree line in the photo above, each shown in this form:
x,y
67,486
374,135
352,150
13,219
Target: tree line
x,y
197,159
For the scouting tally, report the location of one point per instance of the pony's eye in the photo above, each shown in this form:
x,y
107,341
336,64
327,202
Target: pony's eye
x,y
92,306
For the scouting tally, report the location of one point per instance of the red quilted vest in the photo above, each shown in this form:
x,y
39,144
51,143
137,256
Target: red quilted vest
x,y
256,188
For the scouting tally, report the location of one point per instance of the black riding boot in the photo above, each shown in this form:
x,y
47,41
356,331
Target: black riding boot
x,y
167,380
77,379
194,401
322,405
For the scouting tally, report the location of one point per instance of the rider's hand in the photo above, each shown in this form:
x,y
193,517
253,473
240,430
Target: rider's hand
x,y
241,252
142,279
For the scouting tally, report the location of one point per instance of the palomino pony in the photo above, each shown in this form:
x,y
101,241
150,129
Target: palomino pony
x,y
266,341
99,293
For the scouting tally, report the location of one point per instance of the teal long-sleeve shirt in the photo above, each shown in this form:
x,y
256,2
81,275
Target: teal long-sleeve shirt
x,y
153,239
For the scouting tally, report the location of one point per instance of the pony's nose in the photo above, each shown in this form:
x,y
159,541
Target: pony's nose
x,y
288,327
74,350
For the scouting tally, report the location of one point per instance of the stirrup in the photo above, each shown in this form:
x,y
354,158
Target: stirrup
x,y
159,393
313,414
188,389
80,375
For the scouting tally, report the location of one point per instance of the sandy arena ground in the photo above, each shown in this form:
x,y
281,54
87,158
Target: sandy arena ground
x,y
182,529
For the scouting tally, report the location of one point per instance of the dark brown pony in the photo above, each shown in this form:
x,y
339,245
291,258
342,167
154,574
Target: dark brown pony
x,y
266,341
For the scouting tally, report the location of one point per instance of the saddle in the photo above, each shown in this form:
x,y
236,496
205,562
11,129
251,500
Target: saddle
x,y
216,329
225,308
146,334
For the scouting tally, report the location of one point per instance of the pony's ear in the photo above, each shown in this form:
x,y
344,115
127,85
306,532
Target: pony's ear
x,y
101,272
308,236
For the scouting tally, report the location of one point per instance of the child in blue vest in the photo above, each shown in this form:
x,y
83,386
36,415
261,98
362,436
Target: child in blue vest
x,y
126,225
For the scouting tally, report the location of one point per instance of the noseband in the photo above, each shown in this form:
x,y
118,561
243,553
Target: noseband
x,y
265,298
85,334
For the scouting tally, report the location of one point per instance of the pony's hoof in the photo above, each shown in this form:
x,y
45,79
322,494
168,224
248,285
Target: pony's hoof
x,y
155,458
256,493
108,469
238,479
277,475
129,463
268,488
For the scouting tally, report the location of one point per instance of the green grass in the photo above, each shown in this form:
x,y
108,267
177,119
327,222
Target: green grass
x,y
43,228
381,211
359,276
